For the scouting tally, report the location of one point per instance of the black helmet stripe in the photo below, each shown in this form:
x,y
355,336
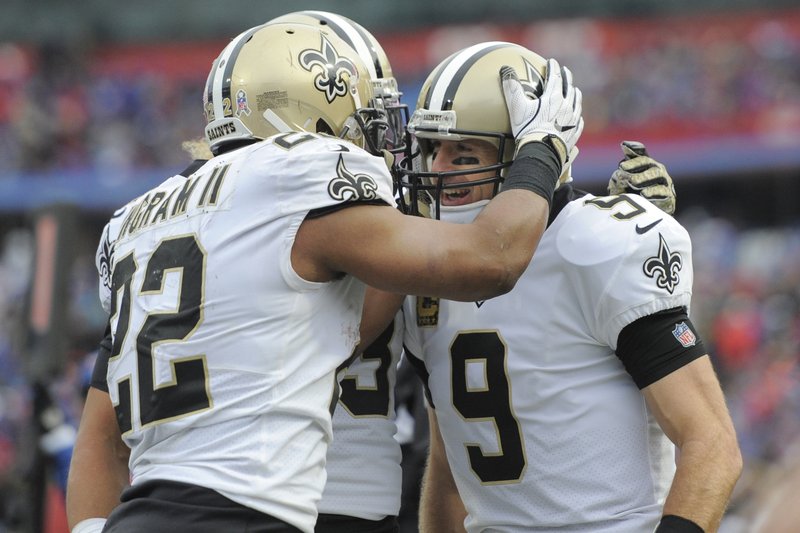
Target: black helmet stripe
x,y
375,59
218,86
354,36
444,86
210,81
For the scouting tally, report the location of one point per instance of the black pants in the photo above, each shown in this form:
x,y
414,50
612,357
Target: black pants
x,y
333,523
171,507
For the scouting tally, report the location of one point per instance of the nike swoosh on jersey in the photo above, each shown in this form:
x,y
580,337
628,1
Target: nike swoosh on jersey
x,y
641,230
479,303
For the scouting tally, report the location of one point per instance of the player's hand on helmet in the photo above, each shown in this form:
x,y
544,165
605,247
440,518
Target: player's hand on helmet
x,y
554,117
640,174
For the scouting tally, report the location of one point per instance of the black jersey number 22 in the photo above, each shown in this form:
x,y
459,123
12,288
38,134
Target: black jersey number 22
x,y
187,392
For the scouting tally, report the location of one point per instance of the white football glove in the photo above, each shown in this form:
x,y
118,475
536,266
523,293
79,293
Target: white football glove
x,y
554,117
640,174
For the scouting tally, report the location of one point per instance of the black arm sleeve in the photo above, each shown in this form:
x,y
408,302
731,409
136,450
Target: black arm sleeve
x,y
101,363
657,345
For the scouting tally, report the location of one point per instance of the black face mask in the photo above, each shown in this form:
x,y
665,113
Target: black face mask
x,y
375,126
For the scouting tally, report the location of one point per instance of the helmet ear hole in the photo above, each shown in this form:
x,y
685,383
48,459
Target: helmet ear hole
x,y
324,127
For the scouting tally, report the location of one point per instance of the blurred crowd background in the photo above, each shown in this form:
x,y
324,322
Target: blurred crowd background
x,y
96,99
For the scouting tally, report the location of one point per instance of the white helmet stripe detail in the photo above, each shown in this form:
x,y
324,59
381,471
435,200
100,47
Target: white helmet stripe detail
x,y
439,91
353,37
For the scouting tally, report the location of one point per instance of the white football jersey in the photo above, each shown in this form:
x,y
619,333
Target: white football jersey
x,y
543,427
223,364
364,473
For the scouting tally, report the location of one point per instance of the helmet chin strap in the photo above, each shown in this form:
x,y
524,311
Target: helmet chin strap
x,y
566,172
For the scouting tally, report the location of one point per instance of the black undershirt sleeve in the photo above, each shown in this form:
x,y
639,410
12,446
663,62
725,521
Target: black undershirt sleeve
x,y
657,345
193,167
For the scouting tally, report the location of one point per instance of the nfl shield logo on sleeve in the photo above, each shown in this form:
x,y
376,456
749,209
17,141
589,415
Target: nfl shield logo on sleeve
x,y
684,335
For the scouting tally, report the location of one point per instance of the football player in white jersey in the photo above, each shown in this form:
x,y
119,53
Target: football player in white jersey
x,y
363,488
234,292
364,476
555,407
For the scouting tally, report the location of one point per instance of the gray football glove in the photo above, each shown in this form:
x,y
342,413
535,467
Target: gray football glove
x,y
640,174
554,117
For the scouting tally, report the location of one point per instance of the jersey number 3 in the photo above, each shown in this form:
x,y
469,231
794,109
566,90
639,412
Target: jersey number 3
x,y
188,391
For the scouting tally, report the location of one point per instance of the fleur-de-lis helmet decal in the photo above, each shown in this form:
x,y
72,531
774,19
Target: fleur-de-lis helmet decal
x,y
664,266
331,69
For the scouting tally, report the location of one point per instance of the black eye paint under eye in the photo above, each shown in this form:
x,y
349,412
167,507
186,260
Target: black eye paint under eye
x,y
463,160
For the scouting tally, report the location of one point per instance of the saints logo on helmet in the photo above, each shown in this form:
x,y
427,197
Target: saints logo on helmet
x,y
331,69
463,99
281,77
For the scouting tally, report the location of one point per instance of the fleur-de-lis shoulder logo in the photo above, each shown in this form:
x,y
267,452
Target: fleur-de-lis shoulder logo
x,y
106,256
350,187
664,266
106,253
332,67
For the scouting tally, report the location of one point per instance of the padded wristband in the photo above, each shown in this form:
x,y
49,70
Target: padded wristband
x,y
90,525
535,168
676,524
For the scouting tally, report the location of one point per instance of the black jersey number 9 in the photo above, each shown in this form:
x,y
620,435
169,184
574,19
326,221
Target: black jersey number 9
x,y
187,392
490,402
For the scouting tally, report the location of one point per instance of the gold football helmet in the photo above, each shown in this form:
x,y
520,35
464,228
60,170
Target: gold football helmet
x,y
372,53
281,77
463,99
